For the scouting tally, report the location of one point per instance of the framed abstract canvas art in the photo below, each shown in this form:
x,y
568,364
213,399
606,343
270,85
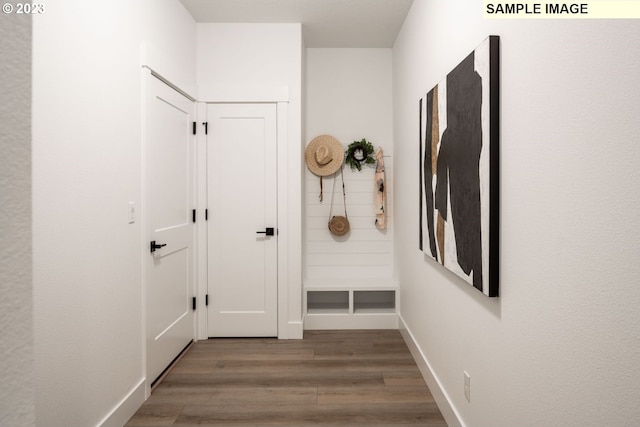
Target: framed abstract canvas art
x,y
459,169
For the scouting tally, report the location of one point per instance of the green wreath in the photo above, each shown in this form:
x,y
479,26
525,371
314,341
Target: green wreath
x,y
360,152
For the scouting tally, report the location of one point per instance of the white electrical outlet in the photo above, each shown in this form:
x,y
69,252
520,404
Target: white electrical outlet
x,y
467,386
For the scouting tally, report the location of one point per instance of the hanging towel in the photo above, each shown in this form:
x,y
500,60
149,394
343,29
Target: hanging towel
x,y
381,215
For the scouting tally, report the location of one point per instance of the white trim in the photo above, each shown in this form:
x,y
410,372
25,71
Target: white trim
x,y
342,283
168,83
146,82
201,203
291,207
243,94
126,408
166,70
448,410
282,118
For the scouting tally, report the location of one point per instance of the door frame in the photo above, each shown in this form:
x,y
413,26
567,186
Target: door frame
x,y
287,329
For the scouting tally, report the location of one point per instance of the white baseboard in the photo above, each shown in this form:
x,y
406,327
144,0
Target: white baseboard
x,y
125,408
449,412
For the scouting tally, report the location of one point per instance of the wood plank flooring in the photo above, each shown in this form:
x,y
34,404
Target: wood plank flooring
x,y
330,378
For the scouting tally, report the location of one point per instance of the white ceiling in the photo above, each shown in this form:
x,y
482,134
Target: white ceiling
x,y
325,23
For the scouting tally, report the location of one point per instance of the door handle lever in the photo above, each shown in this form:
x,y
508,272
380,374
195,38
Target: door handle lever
x,y
269,231
155,245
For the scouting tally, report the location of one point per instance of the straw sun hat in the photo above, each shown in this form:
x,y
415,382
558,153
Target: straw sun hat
x,y
324,155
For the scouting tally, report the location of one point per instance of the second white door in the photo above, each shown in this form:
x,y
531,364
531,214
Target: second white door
x,y
242,206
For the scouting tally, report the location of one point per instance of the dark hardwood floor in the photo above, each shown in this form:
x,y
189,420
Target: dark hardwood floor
x,y
330,378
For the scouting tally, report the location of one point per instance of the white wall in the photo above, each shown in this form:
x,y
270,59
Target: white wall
x,y
561,344
87,84
348,96
263,62
17,406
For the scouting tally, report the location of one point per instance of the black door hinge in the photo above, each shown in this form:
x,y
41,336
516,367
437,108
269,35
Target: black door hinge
x,y
206,214
206,300
206,127
194,303
193,213
194,128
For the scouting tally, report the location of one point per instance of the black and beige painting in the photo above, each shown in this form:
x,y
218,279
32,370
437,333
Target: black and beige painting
x,y
458,169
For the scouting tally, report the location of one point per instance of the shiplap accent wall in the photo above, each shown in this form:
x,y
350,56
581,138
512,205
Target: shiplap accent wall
x,y
364,252
348,96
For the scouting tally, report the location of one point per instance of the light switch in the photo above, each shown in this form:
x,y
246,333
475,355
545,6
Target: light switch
x,y
132,212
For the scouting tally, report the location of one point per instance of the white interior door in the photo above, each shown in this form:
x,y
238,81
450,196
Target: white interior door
x,y
242,201
168,191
